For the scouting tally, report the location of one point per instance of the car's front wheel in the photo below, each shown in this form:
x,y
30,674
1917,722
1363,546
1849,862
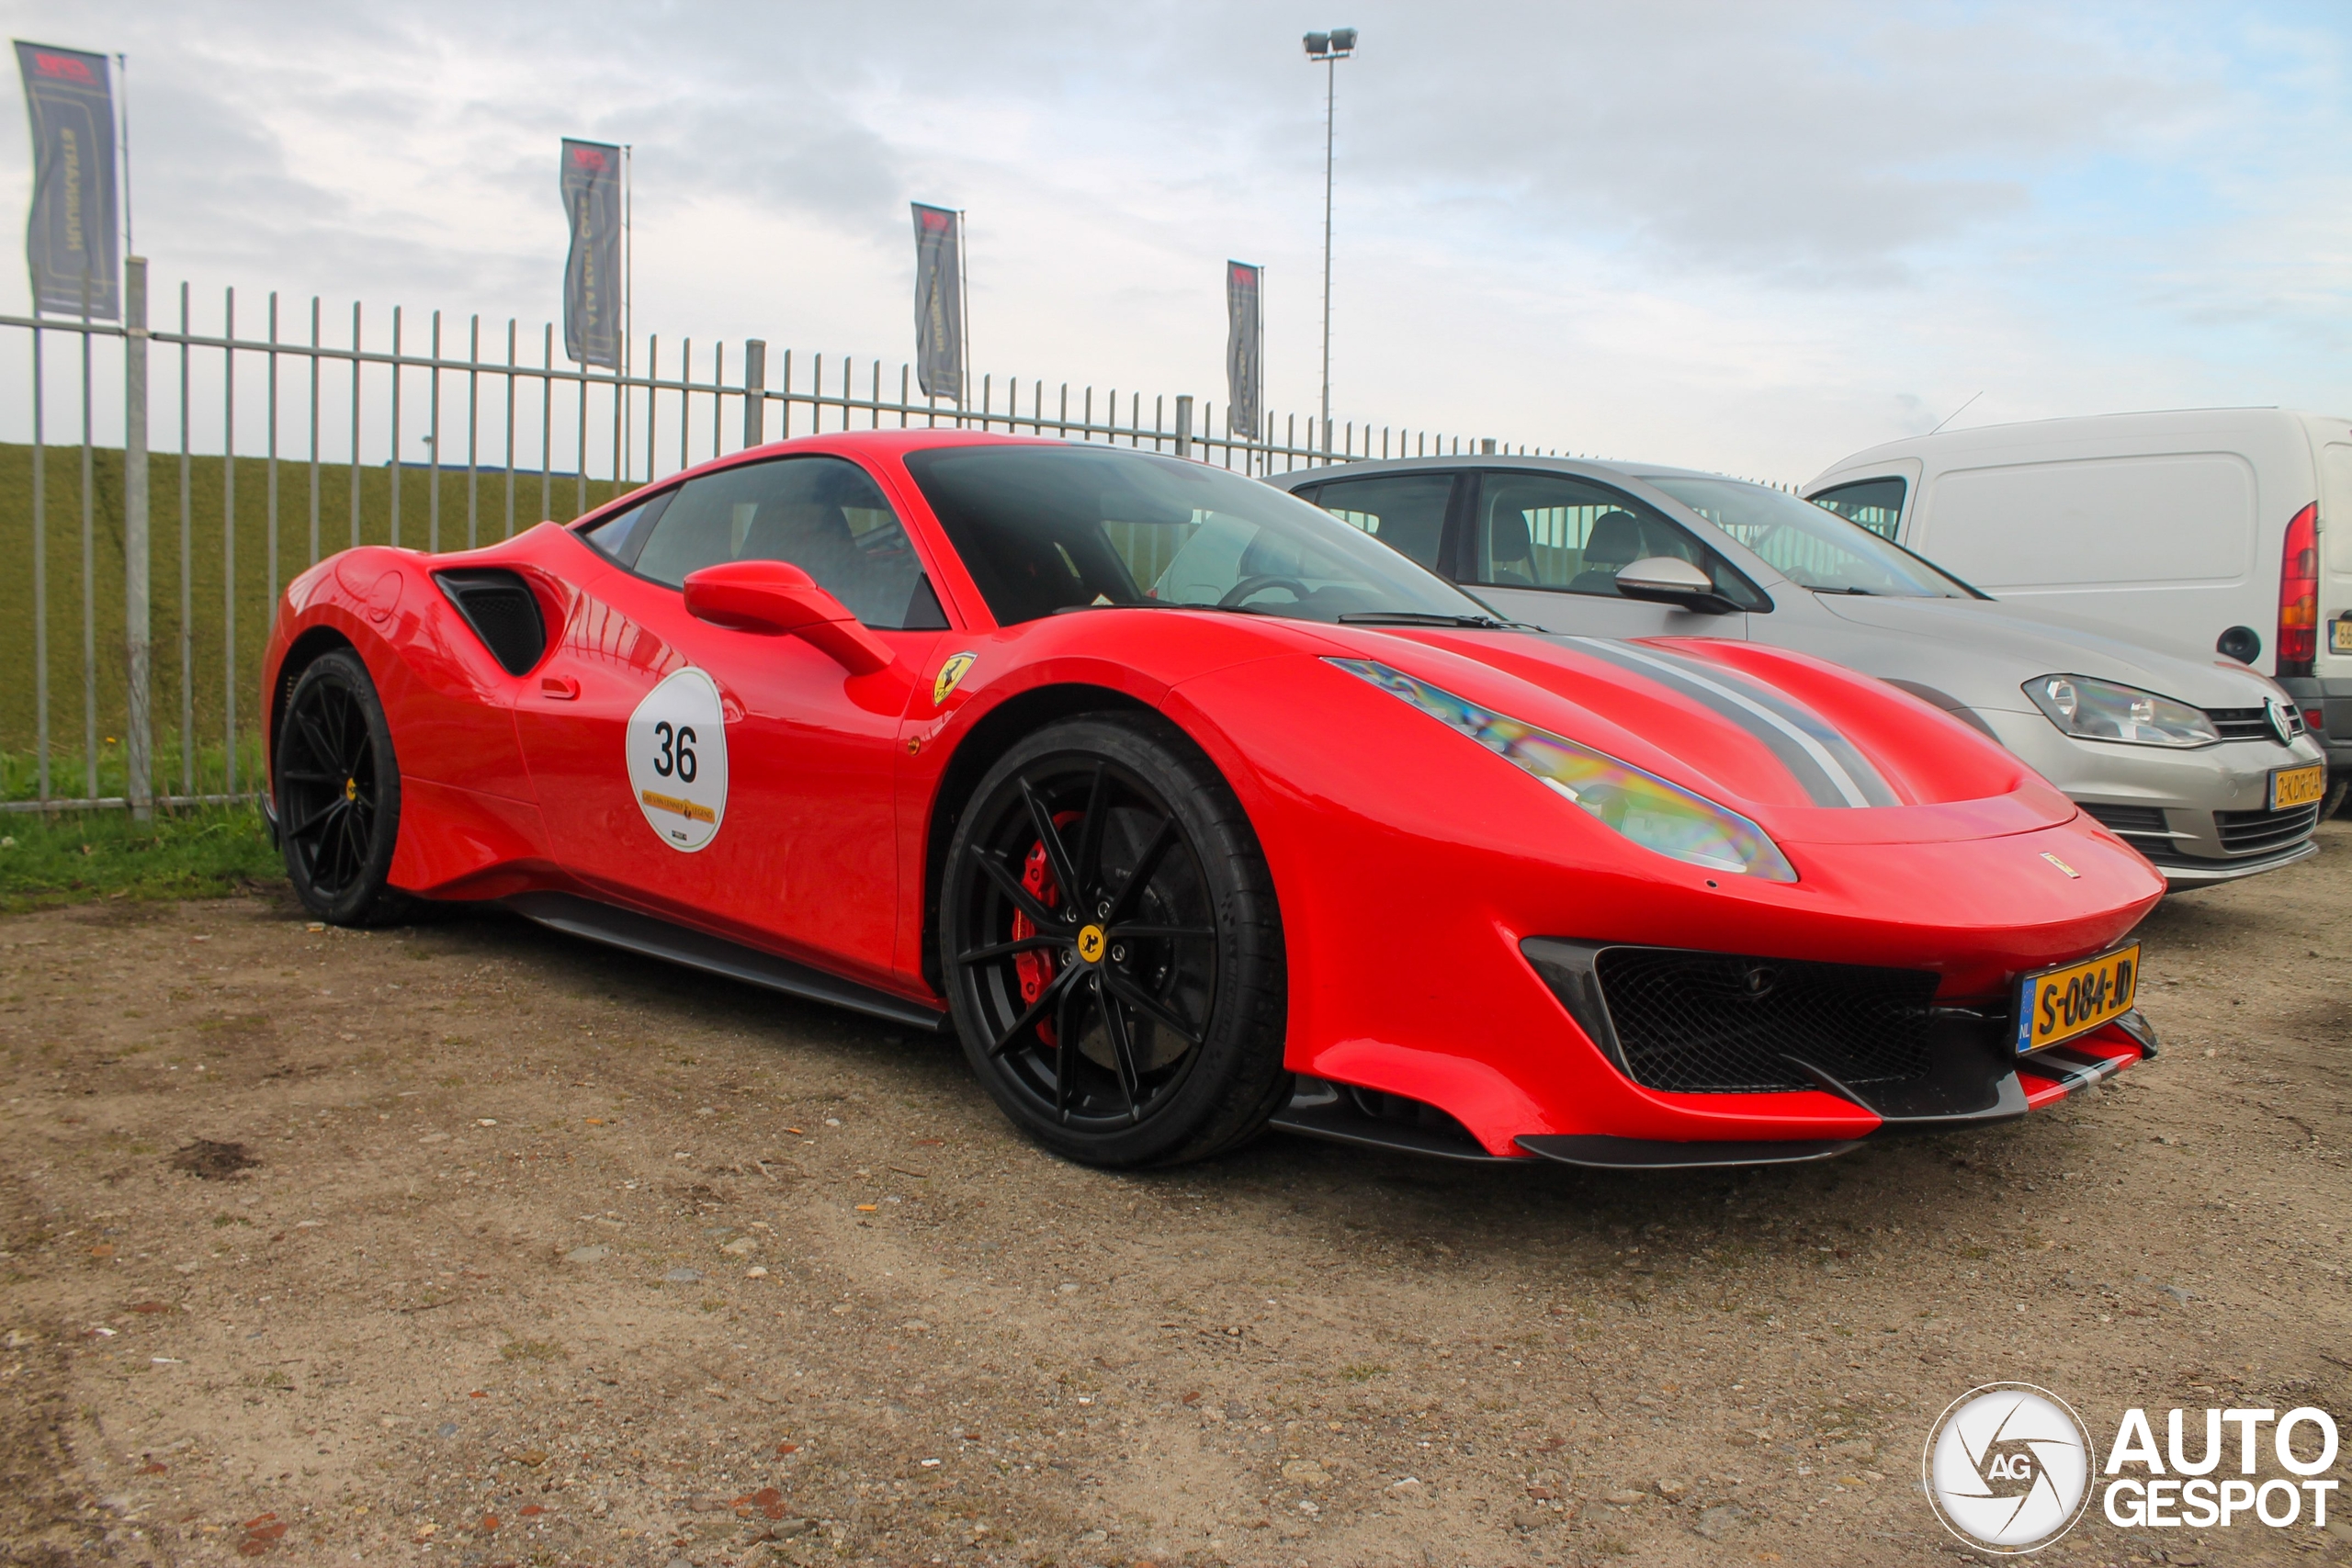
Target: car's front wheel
x,y
338,794
1111,946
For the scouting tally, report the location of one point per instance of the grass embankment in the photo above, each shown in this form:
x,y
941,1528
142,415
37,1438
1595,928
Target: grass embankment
x,y
191,654
80,857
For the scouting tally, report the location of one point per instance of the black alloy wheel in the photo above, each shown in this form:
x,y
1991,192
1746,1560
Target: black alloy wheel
x,y
338,794
1111,946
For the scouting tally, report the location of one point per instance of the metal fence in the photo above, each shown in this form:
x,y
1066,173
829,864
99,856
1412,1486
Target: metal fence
x,y
286,446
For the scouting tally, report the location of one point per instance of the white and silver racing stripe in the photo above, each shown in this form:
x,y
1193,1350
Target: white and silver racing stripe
x,y
1832,769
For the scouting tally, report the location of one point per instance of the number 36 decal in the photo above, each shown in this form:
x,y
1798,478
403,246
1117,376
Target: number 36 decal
x,y
677,759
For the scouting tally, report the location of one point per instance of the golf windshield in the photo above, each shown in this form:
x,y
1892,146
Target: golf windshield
x,y
1049,528
1813,546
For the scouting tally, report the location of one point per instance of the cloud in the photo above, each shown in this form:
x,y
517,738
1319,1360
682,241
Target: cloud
x,y
1748,236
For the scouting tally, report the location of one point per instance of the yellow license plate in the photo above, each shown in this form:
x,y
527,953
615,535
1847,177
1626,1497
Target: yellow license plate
x,y
2342,640
2292,787
2059,1004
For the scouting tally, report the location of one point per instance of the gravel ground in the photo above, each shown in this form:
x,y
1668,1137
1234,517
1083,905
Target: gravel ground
x,y
467,1244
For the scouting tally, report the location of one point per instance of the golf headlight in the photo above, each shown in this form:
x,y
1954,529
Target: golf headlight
x,y
2101,710
1655,814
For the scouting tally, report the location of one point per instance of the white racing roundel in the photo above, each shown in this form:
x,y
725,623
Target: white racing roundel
x,y
677,759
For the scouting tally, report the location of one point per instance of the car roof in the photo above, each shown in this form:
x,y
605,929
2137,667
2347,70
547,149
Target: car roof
x,y
1496,462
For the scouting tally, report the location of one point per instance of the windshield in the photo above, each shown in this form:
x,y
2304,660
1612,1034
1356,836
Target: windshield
x,y
1814,547
1043,528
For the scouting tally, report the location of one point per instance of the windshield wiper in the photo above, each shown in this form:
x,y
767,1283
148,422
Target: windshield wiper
x,y
1429,618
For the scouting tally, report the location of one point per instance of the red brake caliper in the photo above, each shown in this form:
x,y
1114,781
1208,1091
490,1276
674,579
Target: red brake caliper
x,y
1038,967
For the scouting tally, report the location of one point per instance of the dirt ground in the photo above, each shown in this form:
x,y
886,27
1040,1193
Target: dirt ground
x,y
546,1255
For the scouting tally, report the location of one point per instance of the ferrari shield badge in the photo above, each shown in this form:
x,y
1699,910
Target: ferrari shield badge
x,y
950,675
677,759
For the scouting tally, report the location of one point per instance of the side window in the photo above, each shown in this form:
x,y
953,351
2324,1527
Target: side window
x,y
1405,511
824,514
1876,505
620,535
1558,531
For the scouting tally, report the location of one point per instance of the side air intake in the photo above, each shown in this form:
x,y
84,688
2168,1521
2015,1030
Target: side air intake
x,y
502,612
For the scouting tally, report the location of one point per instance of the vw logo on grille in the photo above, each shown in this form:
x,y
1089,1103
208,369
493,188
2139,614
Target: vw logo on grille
x,y
2282,720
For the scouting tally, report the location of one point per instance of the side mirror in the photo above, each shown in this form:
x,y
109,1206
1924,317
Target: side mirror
x,y
776,598
1664,580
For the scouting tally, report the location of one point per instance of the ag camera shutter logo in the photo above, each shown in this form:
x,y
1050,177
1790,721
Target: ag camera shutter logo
x,y
2008,1467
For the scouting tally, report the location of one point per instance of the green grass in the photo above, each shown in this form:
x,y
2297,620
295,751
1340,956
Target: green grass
x,y
191,666
52,858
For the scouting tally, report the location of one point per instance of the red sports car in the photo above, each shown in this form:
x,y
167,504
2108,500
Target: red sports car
x,y
1190,808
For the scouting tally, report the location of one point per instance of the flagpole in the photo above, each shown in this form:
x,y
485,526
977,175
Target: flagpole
x,y
629,289
122,70
962,314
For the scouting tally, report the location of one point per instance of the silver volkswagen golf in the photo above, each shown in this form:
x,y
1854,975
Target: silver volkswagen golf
x,y
2202,767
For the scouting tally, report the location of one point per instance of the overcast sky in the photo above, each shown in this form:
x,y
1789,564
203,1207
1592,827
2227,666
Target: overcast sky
x,y
1742,236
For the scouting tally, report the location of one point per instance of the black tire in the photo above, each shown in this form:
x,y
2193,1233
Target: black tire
x,y
338,794
2333,802
1167,973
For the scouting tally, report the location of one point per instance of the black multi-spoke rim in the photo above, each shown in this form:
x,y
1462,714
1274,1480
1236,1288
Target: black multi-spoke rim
x,y
326,786
1088,944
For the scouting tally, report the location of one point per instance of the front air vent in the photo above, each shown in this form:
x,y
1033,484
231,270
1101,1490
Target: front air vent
x,y
2145,821
503,611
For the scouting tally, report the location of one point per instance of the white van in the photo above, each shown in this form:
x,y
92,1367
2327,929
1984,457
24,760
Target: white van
x,y
2203,531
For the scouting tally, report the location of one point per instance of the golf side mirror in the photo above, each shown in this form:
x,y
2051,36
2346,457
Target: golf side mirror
x,y
1664,580
778,599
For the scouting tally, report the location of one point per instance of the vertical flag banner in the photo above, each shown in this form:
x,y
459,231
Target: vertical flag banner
x,y
1245,346
592,273
70,237
939,301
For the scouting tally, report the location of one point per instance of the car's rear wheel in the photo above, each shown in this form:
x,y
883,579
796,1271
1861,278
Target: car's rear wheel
x,y
338,794
1112,949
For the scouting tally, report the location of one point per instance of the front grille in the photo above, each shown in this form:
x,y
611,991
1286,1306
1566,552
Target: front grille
x,y
1714,1022
2128,819
2251,724
2249,832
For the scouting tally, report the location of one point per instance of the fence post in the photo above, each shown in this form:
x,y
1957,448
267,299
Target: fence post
x,y
138,735
1486,446
1183,426
755,377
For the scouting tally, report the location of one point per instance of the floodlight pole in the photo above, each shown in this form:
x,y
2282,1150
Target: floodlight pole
x,y
1328,50
1330,107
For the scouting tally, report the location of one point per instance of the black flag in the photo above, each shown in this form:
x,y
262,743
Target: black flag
x,y
592,273
1244,348
939,301
70,239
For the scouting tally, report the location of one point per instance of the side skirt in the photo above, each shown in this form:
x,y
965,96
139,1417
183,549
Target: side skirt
x,y
643,934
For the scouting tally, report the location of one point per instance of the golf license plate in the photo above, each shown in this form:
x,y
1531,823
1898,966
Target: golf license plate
x,y
2291,787
2059,1004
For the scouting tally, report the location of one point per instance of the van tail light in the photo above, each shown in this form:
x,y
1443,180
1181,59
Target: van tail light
x,y
2298,595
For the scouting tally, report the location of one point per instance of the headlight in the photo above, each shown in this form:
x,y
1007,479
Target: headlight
x,y
1655,814
2101,710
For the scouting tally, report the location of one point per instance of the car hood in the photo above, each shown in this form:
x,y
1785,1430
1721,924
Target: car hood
x,y
1814,751
2005,644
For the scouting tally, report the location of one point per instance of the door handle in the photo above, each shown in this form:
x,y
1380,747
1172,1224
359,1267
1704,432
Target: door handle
x,y
559,688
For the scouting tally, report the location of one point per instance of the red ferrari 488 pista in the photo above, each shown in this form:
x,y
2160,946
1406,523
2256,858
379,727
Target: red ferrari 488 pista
x,y
1189,808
